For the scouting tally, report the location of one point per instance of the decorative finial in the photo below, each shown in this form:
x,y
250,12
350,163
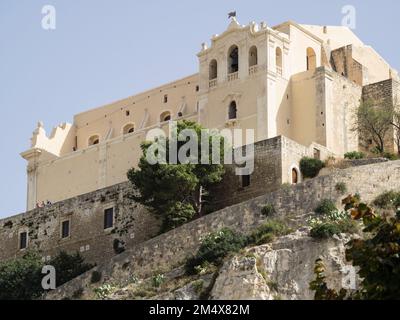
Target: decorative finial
x,y
40,124
204,46
232,14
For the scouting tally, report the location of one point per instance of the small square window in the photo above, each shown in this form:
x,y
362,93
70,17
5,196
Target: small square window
x,y
245,181
23,240
65,229
108,218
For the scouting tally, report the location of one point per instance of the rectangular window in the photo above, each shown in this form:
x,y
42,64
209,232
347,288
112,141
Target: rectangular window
x,y
245,181
23,240
108,218
65,229
165,98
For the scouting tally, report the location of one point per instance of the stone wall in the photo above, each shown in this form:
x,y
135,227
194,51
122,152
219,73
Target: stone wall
x,y
267,176
273,161
172,249
133,224
381,93
343,63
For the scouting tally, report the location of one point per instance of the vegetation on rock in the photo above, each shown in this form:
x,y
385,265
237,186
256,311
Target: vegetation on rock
x,y
377,256
325,207
214,248
354,155
268,232
310,167
388,200
268,210
341,187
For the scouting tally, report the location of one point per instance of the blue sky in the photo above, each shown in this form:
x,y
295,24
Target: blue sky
x,y
105,50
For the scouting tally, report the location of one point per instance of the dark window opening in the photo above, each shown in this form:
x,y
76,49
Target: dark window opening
x,y
23,240
245,181
197,88
165,98
94,140
253,56
165,116
127,113
65,229
233,60
213,70
232,114
180,114
108,218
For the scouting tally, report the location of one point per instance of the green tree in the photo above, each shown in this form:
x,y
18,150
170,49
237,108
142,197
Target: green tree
x,y
68,266
177,191
20,279
373,121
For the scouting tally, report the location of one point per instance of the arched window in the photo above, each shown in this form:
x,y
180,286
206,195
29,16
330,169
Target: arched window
x,y
232,113
129,128
213,73
233,59
278,57
93,140
295,176
253,56
311,59
165,116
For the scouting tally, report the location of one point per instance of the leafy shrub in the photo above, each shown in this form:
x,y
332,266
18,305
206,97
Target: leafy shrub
x,y
268,232
354,155
215,247
341,187
310,167
325,230
331,224
68,266
268,210
103,291
158,280
390,156
177,214
198,286
325,207
387,200
96,277
20,279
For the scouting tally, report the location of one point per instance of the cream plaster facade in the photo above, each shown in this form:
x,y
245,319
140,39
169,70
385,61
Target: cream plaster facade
x,y
284,82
